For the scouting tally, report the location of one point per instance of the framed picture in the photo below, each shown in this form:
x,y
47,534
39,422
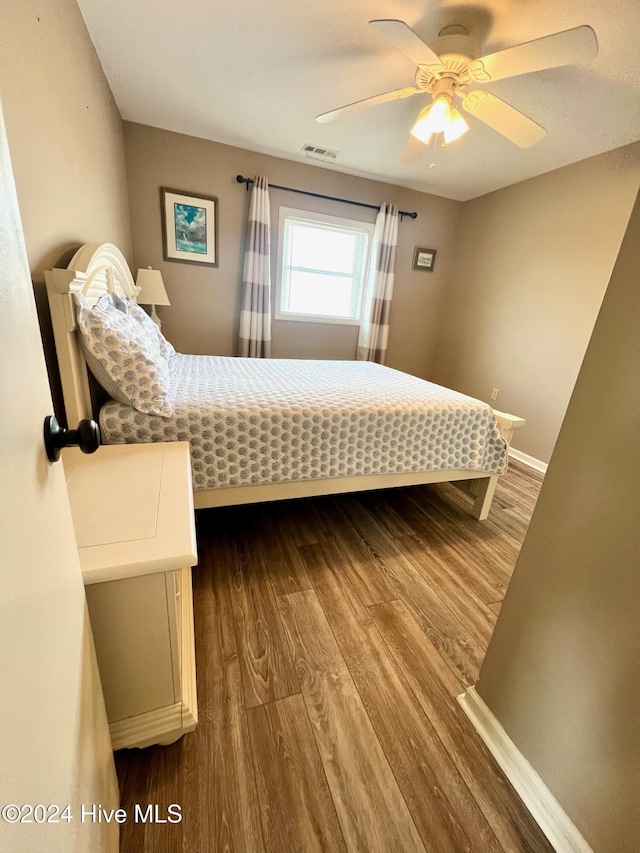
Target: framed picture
x,y
424,259
189,227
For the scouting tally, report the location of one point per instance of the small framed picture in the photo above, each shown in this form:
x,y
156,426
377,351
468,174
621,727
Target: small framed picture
x,y
424,259
189,227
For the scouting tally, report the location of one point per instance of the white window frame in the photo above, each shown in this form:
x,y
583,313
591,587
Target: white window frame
x,y
312,216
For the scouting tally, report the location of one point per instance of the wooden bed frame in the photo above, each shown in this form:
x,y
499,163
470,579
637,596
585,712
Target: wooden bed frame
x,y
99,268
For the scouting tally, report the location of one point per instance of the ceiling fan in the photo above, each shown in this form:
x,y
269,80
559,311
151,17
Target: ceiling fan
x,y
452,64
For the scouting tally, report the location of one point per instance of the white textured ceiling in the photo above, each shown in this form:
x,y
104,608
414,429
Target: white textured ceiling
x,y
254,74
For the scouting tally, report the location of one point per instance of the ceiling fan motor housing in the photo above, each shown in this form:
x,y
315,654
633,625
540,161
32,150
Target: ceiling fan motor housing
x,y
456,51
456,45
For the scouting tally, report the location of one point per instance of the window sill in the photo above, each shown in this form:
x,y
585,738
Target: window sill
x,y
312,318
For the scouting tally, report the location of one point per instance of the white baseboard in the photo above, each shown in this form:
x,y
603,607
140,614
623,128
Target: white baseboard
x,y
531,461
544,808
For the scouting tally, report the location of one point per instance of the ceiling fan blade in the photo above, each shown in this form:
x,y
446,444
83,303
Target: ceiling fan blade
x,y
368,102
571,46
508,121
404,38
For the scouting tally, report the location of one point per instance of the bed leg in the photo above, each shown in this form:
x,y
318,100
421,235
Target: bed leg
x,y
484,495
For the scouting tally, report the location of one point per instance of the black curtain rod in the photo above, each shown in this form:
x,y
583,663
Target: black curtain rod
x,y
248,181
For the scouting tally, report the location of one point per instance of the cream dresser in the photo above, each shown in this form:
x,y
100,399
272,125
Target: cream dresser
x,y
132,508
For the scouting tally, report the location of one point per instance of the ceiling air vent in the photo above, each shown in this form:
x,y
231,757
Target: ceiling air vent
x,y
319,153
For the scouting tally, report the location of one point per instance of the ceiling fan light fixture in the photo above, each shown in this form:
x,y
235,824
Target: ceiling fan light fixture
x,y
440,117
434,119
456,128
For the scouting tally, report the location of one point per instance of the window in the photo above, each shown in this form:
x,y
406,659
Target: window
x,y
321,267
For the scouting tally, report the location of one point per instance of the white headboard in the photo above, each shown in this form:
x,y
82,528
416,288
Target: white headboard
x,y
95,269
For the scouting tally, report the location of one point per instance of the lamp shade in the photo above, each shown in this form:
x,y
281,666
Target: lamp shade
x,y
152,290
456,128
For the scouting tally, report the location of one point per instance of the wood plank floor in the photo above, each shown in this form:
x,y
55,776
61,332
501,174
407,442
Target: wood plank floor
x,y
332,637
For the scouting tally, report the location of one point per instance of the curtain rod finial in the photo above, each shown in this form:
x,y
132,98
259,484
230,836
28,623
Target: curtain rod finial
x,y
242,180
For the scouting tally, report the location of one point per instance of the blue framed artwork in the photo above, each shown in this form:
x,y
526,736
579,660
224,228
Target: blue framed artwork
x,y
189,227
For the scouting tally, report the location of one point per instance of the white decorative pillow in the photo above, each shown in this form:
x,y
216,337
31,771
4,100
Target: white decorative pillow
x,y
124,357
134,310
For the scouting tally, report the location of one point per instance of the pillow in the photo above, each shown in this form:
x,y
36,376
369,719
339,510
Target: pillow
x,y
120,302
124,358
134,310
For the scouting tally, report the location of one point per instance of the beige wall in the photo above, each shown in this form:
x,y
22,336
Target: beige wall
x,y
64,131
205,302
66,143
54,736
532,265
562,670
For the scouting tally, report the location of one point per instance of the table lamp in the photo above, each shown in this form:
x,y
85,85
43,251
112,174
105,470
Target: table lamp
x,y
152,291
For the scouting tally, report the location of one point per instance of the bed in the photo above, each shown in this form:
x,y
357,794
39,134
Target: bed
x,y
270,429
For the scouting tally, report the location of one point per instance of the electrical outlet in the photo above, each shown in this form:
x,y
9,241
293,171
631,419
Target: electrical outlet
x,y
494,394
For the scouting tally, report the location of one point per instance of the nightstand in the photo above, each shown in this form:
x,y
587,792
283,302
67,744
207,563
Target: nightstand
x,y
132,508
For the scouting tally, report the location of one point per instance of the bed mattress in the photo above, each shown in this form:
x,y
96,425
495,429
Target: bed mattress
x,y
257,421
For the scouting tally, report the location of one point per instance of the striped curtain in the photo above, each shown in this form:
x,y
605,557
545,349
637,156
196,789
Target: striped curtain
x,y
374,329
255,314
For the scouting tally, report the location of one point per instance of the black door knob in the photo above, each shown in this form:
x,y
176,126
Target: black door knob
x,y
86,437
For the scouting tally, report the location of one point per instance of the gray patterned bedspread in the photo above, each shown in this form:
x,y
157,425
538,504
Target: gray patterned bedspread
x,y
253,421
